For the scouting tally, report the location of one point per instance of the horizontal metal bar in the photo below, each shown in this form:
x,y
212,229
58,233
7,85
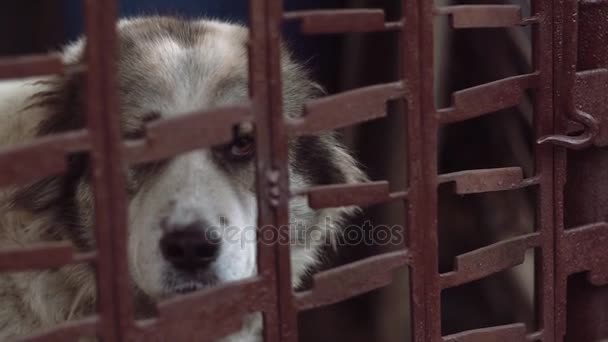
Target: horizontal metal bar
x,y
339,21
487,98
168,137
590,96
351,280
70,331
345,109
342,195
488,260
505,333
43,157
30,66
217,311
592,239
40,256
482,16
484,180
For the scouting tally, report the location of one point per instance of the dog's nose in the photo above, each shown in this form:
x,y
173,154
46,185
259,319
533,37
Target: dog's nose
x,y
190,249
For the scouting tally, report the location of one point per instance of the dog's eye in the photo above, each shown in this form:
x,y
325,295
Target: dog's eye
x,y
242,148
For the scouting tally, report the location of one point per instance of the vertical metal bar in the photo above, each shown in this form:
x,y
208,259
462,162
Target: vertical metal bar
x,y
287,311
429,178
94,112
116,174
560,176
542,55
259,101
417,39
272,177
108,168
410,60
561,14
586,195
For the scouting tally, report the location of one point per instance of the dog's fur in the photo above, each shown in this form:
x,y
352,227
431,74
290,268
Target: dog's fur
x,y
166,67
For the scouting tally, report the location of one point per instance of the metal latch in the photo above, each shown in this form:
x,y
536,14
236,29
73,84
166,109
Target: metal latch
x,y
590,95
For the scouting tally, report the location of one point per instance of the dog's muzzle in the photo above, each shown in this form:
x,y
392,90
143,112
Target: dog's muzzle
x,y
191,248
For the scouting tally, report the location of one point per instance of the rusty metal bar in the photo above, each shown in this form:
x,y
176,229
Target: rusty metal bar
x,y
207,315
592,239
70,331
482,16
560,172
543,44
489,260
429,180
351,280
43,157
278,174
339,195
30,66
114,178
280,323
505,333
578,201
259,96
40,256
197,130
346,109
558,90
411,40
485,180
488,98
339,21
589,95
105,269
585,199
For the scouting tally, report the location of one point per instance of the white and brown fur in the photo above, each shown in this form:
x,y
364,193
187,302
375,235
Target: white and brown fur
x,y
166,66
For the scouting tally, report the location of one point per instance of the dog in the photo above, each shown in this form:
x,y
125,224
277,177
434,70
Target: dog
x,y
179,209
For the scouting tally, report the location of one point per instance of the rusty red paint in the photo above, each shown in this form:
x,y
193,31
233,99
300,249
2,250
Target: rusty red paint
x,y
560,91
590,238
589,95
352,280
196,130
30,66
488,260
348,109
483,16
48,255
488,180
339,21
70,331
487,98
183,318
506,333
364,194
44,157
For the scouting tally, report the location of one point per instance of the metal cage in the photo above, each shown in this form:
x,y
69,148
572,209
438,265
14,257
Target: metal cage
x,y
569,87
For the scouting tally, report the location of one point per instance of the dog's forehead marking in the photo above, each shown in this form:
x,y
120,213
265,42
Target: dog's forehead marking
x,y
184,64
209,38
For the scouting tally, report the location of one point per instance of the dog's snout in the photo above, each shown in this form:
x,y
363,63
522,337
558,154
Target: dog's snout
x,y
190,249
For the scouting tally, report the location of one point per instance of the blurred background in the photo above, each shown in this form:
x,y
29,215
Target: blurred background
x,y
463,58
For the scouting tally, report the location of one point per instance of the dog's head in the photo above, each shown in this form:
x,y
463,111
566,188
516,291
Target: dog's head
x,y
192,218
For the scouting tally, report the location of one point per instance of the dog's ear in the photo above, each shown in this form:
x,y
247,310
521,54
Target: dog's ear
x,y
322,158
62,101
